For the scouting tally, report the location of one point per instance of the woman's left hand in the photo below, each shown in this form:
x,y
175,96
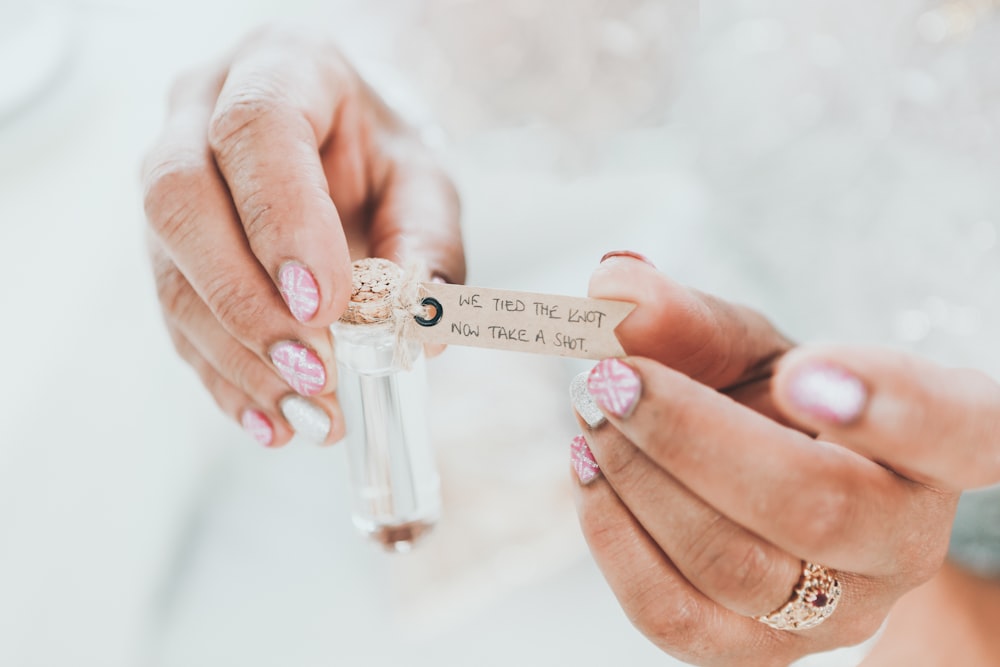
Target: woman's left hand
x,y
706,491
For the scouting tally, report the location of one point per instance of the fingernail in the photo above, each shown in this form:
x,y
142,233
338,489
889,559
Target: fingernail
x,y
438,279
258,426
627,253
583,402
299,289
583,461
307,419
300,367
615,387
829,393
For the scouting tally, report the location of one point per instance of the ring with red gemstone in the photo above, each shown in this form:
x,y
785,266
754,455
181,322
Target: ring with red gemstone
x,y
813,601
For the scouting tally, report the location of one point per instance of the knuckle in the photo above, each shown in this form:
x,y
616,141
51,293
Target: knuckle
x,y
825,518
751,566
619,461
674,623
243,114
172,186
175,294
260,221
602,536
237,308
241,367
738,571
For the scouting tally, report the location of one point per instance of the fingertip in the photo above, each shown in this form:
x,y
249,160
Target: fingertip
x,y
338,428
818,386
307,419
264,428
624,273
316,293
631,254
583,462
432,350
299,289
615,387
258,426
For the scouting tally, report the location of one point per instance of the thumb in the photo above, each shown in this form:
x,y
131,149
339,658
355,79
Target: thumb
x,y
931,424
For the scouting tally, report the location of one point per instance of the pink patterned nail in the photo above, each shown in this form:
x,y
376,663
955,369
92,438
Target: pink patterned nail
x,y
299,289
301,368
583,461
258,426
829,393
615,386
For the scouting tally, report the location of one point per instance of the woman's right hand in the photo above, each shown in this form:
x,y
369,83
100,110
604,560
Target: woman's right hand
x,y
274,170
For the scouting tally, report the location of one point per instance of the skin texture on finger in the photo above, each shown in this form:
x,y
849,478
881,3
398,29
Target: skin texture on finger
x,y
278,105
717,343
659,601
816,500
188,314
193,221
686,623
229,398
935,425
723,560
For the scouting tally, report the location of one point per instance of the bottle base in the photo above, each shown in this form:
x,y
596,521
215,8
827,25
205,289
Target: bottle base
x,y
399,538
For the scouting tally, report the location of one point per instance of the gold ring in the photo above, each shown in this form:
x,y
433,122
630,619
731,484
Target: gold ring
x,y
813,601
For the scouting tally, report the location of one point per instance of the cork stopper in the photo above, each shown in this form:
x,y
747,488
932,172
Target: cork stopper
x,y
374,285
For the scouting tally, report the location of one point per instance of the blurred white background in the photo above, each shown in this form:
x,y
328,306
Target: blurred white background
x,y
834,165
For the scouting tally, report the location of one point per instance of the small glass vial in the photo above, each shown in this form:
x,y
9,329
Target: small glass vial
x,y
394,482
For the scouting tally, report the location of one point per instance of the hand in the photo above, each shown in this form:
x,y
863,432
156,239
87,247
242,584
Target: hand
x,y
956,613
704,507
273,171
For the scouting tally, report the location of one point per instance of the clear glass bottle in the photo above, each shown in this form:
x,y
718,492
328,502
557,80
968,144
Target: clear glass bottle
x,y
394,481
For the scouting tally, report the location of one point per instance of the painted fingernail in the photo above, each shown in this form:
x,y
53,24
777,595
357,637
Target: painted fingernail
x,y
583,402
307,419
300,367
584,464
258,426
828,392
299,289
626,253
615,387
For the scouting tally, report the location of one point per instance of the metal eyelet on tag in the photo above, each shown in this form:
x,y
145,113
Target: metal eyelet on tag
x,y
430,302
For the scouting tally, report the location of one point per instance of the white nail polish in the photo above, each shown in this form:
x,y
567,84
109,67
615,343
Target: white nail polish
x,y
307,419
583,402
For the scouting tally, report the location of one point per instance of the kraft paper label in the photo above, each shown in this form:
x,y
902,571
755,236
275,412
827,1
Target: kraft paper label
x,y
522,321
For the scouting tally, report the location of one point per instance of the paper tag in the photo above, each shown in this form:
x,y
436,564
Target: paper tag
x,y
522,321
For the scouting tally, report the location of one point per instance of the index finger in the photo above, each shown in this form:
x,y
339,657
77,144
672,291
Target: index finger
x,y
276,108
708,339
